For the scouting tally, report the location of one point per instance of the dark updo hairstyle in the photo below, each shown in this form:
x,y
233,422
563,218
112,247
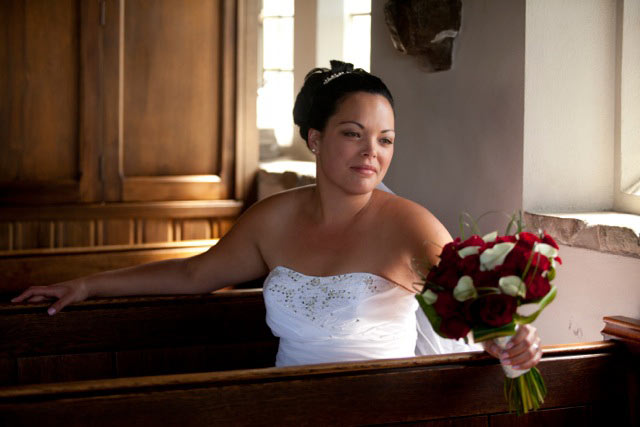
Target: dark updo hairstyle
x,y
325,89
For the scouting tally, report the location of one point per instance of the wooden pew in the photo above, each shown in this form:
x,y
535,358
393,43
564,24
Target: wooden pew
x,y
21,269
120,337
586,384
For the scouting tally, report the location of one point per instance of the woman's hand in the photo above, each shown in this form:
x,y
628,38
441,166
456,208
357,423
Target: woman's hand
x,y
523,350
65,292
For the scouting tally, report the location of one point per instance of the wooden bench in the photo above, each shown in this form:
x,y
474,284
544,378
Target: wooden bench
x,y
587,385
21,269
120,337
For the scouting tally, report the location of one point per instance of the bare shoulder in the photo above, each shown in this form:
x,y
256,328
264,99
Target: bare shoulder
x,y
274,210
411,216
414,225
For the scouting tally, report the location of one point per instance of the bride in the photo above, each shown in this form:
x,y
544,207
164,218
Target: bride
x,y
337,254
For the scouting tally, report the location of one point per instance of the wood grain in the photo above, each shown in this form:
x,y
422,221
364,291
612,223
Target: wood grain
x,y
326,396
42,267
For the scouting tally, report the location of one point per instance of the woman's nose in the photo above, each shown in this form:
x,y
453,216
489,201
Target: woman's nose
x,y
368,149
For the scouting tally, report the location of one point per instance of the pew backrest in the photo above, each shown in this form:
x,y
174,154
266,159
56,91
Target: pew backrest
x,y
119,337
584,388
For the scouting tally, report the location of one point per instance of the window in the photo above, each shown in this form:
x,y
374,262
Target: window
x,y
357,35
628,150
275,92
341,29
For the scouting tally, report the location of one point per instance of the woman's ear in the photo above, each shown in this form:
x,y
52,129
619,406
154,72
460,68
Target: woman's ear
x,y
313,139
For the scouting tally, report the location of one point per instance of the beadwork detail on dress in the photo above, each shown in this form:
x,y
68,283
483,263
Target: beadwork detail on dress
x,y
318,297
354,316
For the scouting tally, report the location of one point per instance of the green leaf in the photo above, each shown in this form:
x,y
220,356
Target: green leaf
x,y
542,303
431,314
551,274
483,333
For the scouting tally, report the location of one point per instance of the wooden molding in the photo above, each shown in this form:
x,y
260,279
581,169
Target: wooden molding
x,y
168,209
624,329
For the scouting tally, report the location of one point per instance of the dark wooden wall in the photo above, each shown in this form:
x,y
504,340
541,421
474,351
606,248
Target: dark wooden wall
x,y
117,122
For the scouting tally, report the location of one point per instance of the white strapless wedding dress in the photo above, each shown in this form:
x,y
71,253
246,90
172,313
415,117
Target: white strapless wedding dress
x,y
357,316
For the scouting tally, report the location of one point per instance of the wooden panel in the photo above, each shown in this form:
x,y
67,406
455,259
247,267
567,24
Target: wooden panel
x,y
357,393
451,422
8,371
44,369
551,417
172,70
77,234
175,360
168,209
25,228
157,230
135,323
117,232
21,271
6,236
34,234
196,229
169,93
40,68
225,225
44,70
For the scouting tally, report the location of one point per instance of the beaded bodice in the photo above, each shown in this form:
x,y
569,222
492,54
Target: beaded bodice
x,y
352,316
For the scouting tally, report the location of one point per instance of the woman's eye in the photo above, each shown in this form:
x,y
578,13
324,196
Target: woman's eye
x,y
351,134
386,141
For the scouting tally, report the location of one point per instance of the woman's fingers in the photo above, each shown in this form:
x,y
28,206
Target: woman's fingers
x,y
63,294
38,298
40,291
492,348
60,304
524,350
528,358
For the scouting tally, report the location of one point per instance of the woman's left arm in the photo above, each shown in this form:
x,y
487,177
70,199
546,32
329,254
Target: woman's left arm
x,y
523,350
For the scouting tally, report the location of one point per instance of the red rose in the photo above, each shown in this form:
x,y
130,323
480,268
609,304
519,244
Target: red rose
x,y
469,265
537,286
539,262
549,241
454,327
450,252
506,239
446,306
486,279
445,275
515,263
528,239
494,309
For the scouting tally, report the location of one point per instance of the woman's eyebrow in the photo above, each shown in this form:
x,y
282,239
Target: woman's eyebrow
x,y
352,121
362,127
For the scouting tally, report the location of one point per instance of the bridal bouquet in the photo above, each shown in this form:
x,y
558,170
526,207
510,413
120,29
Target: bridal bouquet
x,y
478,287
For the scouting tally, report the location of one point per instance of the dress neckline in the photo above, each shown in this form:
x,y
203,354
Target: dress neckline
x,y
357,273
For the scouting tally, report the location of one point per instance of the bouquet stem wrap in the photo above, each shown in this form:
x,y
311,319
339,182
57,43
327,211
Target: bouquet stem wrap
x,y
523,389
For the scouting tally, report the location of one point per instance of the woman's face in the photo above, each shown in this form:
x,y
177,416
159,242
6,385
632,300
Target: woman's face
x,y
355,149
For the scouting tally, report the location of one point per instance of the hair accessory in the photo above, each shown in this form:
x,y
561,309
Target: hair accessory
x,y
333,76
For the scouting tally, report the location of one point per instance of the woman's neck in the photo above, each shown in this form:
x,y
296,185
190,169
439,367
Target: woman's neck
x,y
334,208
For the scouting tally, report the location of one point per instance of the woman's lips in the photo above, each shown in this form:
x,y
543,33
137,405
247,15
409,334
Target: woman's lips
x,y
365,169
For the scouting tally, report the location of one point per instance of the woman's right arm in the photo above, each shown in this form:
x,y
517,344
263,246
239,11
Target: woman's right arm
x,y
235,259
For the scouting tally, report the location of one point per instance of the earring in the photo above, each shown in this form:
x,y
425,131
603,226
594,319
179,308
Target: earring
x,y
313,150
